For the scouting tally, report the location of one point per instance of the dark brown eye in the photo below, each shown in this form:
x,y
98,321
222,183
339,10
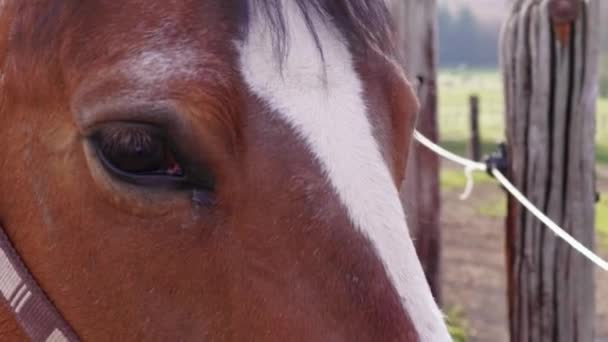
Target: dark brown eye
x,y
131,149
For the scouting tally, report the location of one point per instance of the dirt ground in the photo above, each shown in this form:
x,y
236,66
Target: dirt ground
x,y
474,265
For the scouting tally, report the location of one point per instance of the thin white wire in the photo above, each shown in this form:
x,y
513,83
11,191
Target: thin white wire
x,y
468,189
471,166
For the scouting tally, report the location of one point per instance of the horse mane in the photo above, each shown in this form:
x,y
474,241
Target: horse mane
x,y
365,24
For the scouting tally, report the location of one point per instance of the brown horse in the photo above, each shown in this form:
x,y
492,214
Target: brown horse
x,y
206,170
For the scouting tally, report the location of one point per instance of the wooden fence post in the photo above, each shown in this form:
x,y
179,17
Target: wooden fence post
x,y
475,143
416,25
549,56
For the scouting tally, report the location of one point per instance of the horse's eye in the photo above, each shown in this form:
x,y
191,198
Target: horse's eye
x,y
136,151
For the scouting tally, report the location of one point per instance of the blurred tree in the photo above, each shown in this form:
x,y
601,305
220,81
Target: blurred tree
x,y
464,40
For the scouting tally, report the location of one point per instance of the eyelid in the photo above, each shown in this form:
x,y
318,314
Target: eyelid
x,y
169,117
201,181
158,114
153,130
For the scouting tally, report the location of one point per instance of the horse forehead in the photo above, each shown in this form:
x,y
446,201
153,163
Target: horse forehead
x,y
165,34
322,97
155,56
315,88
154,64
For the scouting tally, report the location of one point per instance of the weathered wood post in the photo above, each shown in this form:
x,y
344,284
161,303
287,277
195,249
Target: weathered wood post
x,y
549,55
417,34
475,141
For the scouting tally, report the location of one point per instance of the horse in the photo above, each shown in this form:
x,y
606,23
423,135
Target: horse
x,y
200,170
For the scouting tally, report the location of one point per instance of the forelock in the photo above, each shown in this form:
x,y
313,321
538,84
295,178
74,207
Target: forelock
x,y
364,24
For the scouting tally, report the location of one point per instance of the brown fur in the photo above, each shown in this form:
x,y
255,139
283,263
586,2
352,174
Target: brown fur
x,y
275,257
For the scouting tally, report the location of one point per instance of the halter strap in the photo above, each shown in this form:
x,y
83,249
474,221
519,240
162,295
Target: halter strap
x,y
27,301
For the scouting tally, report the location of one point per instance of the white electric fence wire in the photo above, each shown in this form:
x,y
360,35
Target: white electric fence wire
x,y
468,190
471,166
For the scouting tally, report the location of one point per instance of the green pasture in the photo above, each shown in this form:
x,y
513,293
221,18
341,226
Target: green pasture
x,y
455,88
453,179
601,219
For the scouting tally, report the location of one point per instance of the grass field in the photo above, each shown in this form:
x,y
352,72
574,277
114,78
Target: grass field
x,y
601,219
454,180
455,87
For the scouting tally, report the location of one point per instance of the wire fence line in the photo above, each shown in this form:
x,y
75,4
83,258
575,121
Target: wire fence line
x,y
472,166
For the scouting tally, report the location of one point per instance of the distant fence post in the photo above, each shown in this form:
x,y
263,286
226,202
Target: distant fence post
x,y
549,57
416,23
475,143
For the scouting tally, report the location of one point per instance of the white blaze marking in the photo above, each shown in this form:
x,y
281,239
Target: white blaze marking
x,y
330,115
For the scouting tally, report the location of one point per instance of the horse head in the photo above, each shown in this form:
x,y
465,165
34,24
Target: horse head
x,y
211,170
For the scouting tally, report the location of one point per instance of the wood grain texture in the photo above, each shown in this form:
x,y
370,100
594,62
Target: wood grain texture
x,y
475,140
550,92
417,38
